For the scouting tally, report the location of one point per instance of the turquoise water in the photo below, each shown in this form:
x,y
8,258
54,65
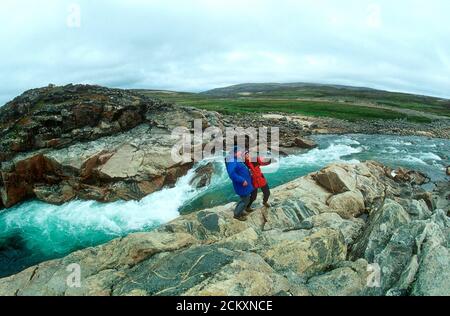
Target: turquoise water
x,y
430,156
35,231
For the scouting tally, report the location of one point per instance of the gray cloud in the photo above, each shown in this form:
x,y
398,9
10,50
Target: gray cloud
x,y
195,45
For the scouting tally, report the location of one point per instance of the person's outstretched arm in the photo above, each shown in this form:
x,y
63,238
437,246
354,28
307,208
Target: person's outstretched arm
x,y
262,162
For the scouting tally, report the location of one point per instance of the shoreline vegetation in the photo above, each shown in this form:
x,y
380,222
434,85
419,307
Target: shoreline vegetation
x,y
342,102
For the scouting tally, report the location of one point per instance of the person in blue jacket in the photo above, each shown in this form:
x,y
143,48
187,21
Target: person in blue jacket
x,y
242,181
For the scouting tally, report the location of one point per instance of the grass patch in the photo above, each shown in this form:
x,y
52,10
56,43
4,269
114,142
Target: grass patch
x,y
338,110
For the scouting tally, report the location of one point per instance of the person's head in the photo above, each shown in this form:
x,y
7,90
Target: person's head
x,y
237,152
247,155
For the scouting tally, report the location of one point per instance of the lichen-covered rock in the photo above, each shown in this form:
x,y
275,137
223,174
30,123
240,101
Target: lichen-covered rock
x,y
310,255
383,224
433,276
351,229
247,275
433,271
348,280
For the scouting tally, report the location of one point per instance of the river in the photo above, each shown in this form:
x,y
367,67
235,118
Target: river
x,y
34,231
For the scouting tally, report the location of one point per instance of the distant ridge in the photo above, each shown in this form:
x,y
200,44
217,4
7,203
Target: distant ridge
x,y
237,89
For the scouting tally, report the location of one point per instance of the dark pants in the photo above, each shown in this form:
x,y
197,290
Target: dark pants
x,y
242,205
266,192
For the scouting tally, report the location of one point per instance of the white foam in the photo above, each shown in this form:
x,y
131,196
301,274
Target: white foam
x,y
430,156
321,157
347,141
412,159
390,150
41,223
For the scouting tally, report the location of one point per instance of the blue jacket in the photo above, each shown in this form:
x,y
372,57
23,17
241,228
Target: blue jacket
x,y
239,173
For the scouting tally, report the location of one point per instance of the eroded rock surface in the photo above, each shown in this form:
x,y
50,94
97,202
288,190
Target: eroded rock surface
x,y
89,142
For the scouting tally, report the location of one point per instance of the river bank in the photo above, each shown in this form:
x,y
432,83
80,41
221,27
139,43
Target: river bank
x,y
309,125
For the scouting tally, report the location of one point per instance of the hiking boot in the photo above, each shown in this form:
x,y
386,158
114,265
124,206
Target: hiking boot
x,y
250,210
241,218
267,205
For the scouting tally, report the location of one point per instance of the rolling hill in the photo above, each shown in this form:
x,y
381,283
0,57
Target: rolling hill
x,y
336,101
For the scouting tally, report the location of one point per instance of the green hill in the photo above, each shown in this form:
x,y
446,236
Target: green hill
x,y
344,102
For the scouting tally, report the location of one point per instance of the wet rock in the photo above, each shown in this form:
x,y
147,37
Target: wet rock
x,y
176,273
209,220
101,266
304,143
411,176
203,176
57,194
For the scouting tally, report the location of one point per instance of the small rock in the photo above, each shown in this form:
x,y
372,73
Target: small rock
x,y
202,177
304,143
335,179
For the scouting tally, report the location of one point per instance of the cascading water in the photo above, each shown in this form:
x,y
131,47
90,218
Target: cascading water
x,y
35,231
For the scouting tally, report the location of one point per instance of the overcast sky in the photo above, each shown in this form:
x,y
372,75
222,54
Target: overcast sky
x,y
194,45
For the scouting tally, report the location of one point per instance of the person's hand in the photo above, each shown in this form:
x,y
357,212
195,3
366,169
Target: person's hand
x,y
245,184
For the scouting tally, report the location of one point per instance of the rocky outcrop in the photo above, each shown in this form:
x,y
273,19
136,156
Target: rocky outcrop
x,y
54,117
96,143
293,133
399,247
89,142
